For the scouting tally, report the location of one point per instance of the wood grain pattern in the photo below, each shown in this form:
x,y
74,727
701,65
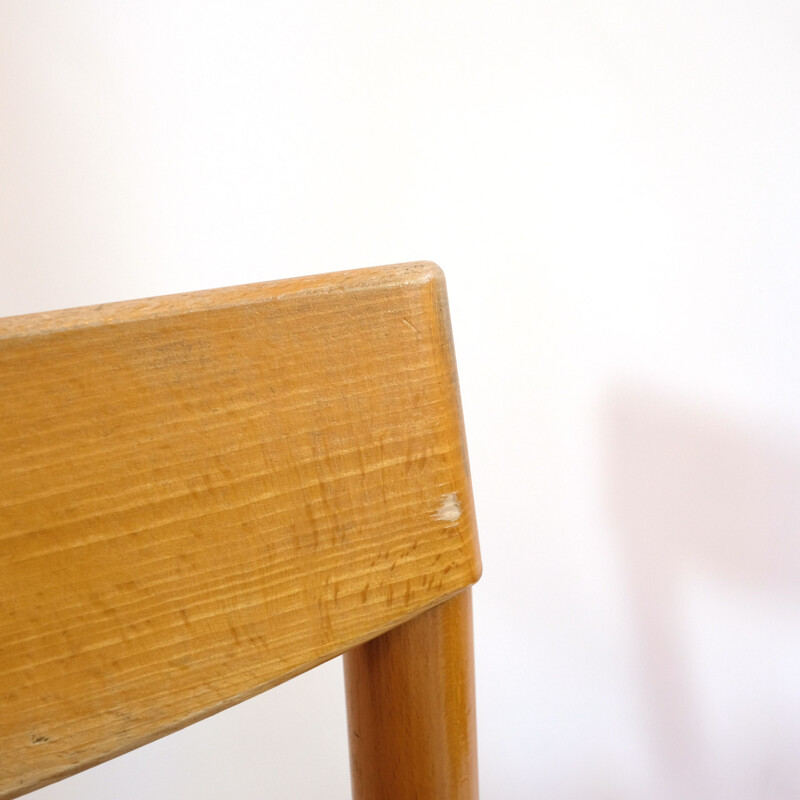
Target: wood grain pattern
x,y
203,495
411,709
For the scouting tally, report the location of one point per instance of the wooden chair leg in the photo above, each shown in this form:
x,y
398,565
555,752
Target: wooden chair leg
x,y
411,709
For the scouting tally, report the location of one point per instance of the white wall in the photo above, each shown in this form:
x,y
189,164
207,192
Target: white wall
x,y
613,190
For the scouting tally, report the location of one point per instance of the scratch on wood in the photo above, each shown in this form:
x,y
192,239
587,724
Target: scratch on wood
x,y
413,327
450,509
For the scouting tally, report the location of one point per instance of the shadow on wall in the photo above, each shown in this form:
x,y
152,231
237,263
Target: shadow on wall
x,y
691,494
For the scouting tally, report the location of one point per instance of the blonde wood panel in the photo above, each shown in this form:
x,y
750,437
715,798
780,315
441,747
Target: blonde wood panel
x,y
411,709
205,494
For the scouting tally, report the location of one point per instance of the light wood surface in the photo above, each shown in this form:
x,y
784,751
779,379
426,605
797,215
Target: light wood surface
x,y
411,709
203,495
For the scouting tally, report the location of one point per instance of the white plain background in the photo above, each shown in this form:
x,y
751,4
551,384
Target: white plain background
x,y
613,190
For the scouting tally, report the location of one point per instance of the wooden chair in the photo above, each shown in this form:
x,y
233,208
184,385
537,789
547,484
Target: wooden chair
x,y
206,494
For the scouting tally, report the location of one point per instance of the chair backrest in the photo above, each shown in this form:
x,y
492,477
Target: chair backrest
x,y
203,495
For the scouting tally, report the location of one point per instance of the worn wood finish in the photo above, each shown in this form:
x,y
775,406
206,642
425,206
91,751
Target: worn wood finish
x,y
203,495
411,709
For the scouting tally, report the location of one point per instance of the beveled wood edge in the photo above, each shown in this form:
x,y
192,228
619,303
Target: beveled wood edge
x,y
120,312
230,703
